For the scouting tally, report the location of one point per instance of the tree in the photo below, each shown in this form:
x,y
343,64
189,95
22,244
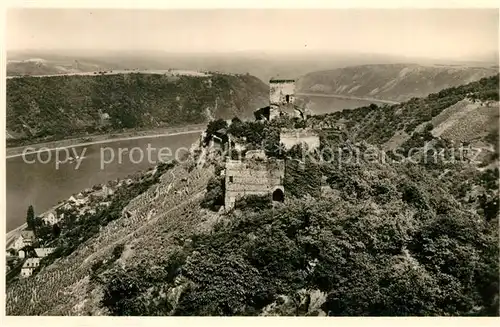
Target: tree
x,y
56,230
30,218
214,197
213,127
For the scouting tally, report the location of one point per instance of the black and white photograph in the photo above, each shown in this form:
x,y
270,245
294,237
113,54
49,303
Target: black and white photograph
x,y
319,162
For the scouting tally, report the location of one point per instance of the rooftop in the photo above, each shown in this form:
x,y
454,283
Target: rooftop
x,y
41,252
31,262
27,234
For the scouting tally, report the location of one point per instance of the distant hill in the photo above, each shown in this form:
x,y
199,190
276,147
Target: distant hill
x,y
396,82
38,66
260,64
51,108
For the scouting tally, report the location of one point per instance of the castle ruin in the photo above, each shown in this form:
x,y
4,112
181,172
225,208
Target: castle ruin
x,y
253,176
281,101
281,97
291,137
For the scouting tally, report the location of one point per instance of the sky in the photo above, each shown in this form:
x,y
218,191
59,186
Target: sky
x,y
428,33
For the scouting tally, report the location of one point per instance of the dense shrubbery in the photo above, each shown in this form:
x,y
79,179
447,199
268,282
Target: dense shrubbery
x,y
254,202
302,178
212,129
378,256
214,197
394,242
253,132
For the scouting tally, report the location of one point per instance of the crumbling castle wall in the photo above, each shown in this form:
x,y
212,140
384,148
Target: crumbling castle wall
x,y
252,177
281,91
291,137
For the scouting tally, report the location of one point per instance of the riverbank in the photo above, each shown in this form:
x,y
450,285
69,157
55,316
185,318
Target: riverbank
x,y
100,139
13,234
346,97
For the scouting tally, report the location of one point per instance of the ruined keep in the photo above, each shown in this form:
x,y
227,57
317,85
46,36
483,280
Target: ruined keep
x,y
253,176
281,97
291,137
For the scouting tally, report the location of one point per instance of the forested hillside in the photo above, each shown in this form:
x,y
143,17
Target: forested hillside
x,y
50,108
353,238
396,82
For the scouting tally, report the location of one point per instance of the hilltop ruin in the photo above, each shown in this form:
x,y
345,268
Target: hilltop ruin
x,y
254,175
281,101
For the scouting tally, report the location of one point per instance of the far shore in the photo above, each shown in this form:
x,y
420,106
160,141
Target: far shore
x,y
99,139
339,96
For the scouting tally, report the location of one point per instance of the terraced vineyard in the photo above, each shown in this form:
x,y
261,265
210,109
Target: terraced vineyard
x,y
63,287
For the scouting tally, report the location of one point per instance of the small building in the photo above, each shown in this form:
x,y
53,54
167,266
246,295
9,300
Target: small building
x,y
104,118
218,139
253,176
291,137
104,192
27,238
104,204
21,254
79,199
262,113
107,190
51,218
29,266
43,252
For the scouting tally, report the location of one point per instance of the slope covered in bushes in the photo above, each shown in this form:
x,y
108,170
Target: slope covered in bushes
x,y
385,241
401,249
49,108
377,239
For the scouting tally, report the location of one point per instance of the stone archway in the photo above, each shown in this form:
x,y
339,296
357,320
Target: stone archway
x,y
278,195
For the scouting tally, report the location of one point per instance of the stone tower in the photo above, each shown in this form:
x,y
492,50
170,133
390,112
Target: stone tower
x,y
281,96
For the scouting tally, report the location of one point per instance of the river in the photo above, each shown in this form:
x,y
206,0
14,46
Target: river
x,y
43,185
323,105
